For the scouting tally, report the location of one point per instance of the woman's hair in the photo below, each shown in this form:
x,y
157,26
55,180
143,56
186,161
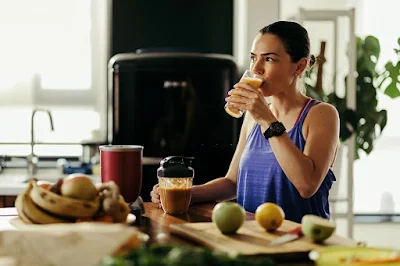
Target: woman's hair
x,y
294,37
295,40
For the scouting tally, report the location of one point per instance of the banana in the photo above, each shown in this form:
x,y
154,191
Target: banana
x,y
64,206
29,212
19,205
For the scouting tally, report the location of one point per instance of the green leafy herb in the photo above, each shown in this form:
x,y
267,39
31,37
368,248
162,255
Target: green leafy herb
x,y
175,255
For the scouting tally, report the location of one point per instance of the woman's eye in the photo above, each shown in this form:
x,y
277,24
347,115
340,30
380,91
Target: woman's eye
x,y
252,58
269,59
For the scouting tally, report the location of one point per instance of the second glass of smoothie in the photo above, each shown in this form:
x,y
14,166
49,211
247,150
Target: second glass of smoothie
x,y
175,179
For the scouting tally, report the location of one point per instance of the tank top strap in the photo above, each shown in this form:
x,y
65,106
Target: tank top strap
x,y
311,102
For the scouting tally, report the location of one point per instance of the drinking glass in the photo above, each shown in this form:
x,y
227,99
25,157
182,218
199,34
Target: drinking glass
x,y
250,78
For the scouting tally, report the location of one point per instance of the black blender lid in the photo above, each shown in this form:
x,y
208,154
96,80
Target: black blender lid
x,y
176,166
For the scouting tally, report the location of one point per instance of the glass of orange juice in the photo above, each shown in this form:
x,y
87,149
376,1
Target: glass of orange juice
x,y
250,78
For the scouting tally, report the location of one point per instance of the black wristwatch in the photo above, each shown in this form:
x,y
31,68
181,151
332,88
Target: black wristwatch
x,y
275,129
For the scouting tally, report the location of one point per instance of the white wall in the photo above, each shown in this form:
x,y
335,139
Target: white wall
x,y
249,17
323,31
290,8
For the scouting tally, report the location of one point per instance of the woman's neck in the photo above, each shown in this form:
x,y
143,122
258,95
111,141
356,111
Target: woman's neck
x,y
283,103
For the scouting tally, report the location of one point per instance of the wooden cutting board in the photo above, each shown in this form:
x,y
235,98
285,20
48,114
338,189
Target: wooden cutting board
x,y
251,239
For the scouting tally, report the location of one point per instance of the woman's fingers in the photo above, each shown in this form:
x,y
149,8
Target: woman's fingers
x,y
236,99
154,194
241,106
154,198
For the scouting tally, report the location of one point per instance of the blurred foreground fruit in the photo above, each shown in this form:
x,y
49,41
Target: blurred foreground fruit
x,y
44,184
40,205
61,205
269,216
121,212
104,219
78,186
316,228
29,212
228,217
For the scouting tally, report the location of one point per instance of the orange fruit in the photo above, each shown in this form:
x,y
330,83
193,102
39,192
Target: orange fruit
x,y
269,216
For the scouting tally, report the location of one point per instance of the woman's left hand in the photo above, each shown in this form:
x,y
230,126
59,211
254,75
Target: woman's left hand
x,y
246,97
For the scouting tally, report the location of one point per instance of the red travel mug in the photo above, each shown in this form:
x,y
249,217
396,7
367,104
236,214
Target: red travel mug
x,y
123,165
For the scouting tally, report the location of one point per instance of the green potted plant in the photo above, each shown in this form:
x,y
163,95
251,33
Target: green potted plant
x,y
367,121
389,77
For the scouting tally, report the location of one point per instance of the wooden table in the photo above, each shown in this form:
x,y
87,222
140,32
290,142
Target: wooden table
x,y
156,224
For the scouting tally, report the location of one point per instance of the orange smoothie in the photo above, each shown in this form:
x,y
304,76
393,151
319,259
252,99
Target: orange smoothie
x,y
256,83
175,200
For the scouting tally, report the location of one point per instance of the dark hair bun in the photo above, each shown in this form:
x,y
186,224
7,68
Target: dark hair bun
x,y
312,60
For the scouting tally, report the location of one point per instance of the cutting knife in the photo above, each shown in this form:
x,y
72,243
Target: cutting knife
x,y
289,236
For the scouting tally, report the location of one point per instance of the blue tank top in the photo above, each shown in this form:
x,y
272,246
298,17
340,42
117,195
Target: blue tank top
x,y
261,179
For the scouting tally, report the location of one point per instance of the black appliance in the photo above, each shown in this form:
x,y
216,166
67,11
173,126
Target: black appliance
x,y
172,103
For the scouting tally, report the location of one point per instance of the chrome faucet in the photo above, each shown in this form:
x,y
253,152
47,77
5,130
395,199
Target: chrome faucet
x,y
32,159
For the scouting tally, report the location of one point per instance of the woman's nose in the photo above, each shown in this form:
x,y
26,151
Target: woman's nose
x,y
258,68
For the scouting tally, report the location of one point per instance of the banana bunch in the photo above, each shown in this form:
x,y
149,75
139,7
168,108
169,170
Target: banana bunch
x,y
40,205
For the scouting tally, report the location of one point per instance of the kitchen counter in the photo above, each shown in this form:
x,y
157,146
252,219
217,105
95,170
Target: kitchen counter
x,y
13,181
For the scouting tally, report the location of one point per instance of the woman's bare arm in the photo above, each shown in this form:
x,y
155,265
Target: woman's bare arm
x,y
306,170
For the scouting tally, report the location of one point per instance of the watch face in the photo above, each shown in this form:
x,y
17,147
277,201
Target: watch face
x,y
275,129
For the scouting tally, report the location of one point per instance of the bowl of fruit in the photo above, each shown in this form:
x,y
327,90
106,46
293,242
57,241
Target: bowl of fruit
x,y
74,198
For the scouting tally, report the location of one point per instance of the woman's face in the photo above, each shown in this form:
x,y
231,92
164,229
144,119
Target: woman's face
x,y
271,62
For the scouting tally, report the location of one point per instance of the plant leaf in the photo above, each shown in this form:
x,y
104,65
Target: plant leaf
x,y
392,91
372,46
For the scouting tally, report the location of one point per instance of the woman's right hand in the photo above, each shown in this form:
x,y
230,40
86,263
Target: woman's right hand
x,y
155,194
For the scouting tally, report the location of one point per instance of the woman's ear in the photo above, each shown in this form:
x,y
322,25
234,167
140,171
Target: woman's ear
x,y
301,65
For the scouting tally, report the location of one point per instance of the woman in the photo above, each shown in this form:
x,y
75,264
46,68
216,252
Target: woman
x,y
286,148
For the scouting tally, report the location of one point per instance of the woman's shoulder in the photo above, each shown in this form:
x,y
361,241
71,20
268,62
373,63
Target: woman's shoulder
x,y
322,111
323,119
320,106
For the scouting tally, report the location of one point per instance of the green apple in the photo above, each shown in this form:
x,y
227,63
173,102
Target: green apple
x,y
228,217
317,228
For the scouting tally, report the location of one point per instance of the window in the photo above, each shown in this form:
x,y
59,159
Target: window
x,y
376,177
53,55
